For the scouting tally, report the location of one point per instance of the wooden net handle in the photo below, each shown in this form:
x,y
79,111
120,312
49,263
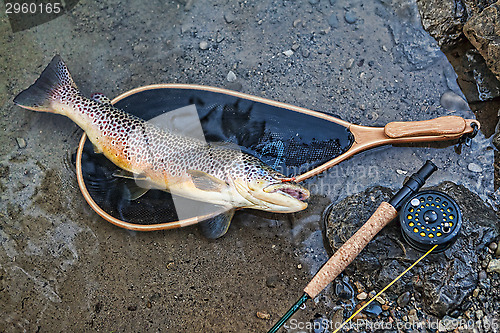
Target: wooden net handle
x,y
440,126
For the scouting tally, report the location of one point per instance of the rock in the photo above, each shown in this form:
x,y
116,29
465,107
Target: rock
x,y
263,315
296,23
272,281
444,280
404,299
349,63
380,300
231,76
305,53
338,318
313,2
453,102
333,21
401,172
343,290
362,296
493,246
412,316
350,17
288,53
483,31
482,275
476,292
21,143
219,37
229,17
474,167
203,45
494,266
447,324
443,19
374,309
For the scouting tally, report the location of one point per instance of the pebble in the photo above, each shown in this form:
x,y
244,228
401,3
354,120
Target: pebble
x,y
349,63
272,281
412,316
231,76
404,299
219,38
482,275
380,300
493,246
295,47
333,21
288,53
21,143
373,309
474,167
372,294
385,307
296,23
263,315
475,293
494,266
362,296
313,2
306,53
350,17
203,45
229,17
401,172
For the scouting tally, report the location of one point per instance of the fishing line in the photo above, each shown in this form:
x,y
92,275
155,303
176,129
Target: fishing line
x,y
385,288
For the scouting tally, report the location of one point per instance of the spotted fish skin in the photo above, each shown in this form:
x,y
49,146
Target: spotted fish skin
x,y
186,166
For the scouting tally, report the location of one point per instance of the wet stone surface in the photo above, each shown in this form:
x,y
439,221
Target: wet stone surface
x,y
442,283
63,268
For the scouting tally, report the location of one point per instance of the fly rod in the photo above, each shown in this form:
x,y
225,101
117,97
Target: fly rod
x,y
385,213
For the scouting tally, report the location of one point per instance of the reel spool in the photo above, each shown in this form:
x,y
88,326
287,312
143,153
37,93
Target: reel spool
x,y
429,218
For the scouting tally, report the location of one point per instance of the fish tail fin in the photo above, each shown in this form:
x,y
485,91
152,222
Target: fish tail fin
x,y
54,82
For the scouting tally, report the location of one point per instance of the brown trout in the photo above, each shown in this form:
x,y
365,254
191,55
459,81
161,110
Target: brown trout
x,y
186,166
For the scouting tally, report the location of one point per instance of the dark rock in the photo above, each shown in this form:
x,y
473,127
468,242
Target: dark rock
x,y
404,299
483,31
373,309
443,19
443,280
343,289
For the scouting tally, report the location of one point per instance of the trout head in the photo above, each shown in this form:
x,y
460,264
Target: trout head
x,y
266,189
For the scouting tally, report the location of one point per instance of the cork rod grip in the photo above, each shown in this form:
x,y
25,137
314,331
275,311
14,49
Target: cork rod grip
x,y
447,125
350,249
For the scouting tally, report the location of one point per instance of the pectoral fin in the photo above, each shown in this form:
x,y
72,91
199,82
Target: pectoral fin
x,y
97,150
217,226
135,191
206,182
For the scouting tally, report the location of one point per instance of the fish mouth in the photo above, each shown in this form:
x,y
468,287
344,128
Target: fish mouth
x,y
291,190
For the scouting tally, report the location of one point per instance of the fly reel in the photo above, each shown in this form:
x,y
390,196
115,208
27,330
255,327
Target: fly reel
x,y
430,218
